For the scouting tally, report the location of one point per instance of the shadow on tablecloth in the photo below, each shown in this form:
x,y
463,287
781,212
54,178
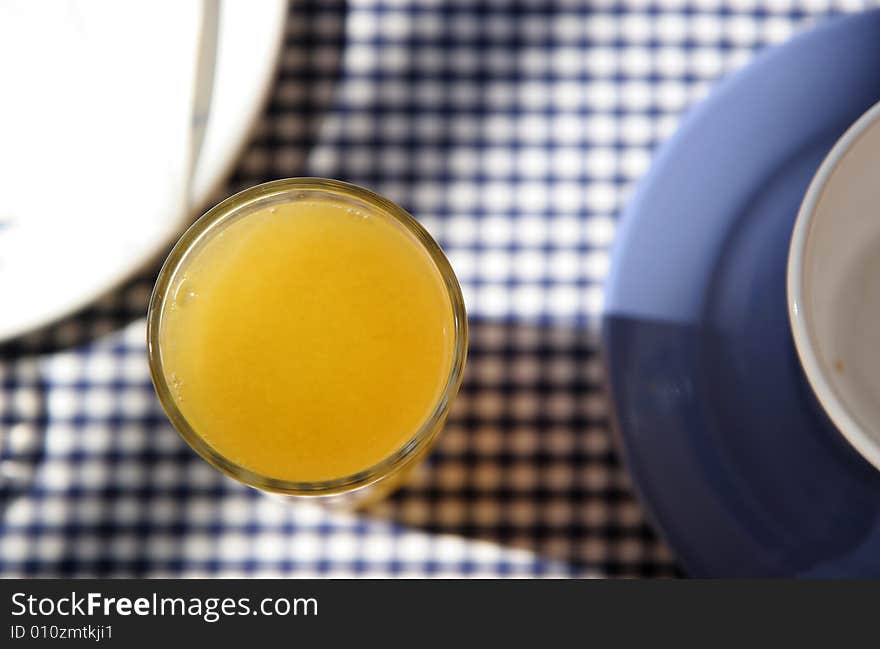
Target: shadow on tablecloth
x,y
527,457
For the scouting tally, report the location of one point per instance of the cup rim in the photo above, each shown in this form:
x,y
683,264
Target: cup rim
x,y
802,332
227,209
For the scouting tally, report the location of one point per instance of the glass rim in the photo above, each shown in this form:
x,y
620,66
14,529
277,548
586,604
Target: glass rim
x,y
227,209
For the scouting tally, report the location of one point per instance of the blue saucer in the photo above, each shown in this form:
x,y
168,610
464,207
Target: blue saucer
x,y
728,447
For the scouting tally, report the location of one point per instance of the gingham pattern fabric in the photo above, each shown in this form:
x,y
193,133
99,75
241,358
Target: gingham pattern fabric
x,y
514,132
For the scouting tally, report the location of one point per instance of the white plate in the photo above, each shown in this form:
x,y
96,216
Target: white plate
x,y
97,145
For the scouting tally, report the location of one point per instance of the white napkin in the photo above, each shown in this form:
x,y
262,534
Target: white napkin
x,y
95,138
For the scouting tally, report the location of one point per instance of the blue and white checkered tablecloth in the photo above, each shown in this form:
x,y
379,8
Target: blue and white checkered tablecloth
x,y
513,131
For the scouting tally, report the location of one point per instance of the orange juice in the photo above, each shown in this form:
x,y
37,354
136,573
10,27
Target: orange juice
x,y
309,337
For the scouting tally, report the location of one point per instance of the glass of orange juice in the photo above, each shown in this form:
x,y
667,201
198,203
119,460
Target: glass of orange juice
x,y
307,337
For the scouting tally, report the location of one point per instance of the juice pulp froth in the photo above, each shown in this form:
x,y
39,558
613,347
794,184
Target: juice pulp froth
x,y
307,340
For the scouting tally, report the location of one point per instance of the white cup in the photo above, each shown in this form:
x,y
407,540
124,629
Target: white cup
x,y
834,285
